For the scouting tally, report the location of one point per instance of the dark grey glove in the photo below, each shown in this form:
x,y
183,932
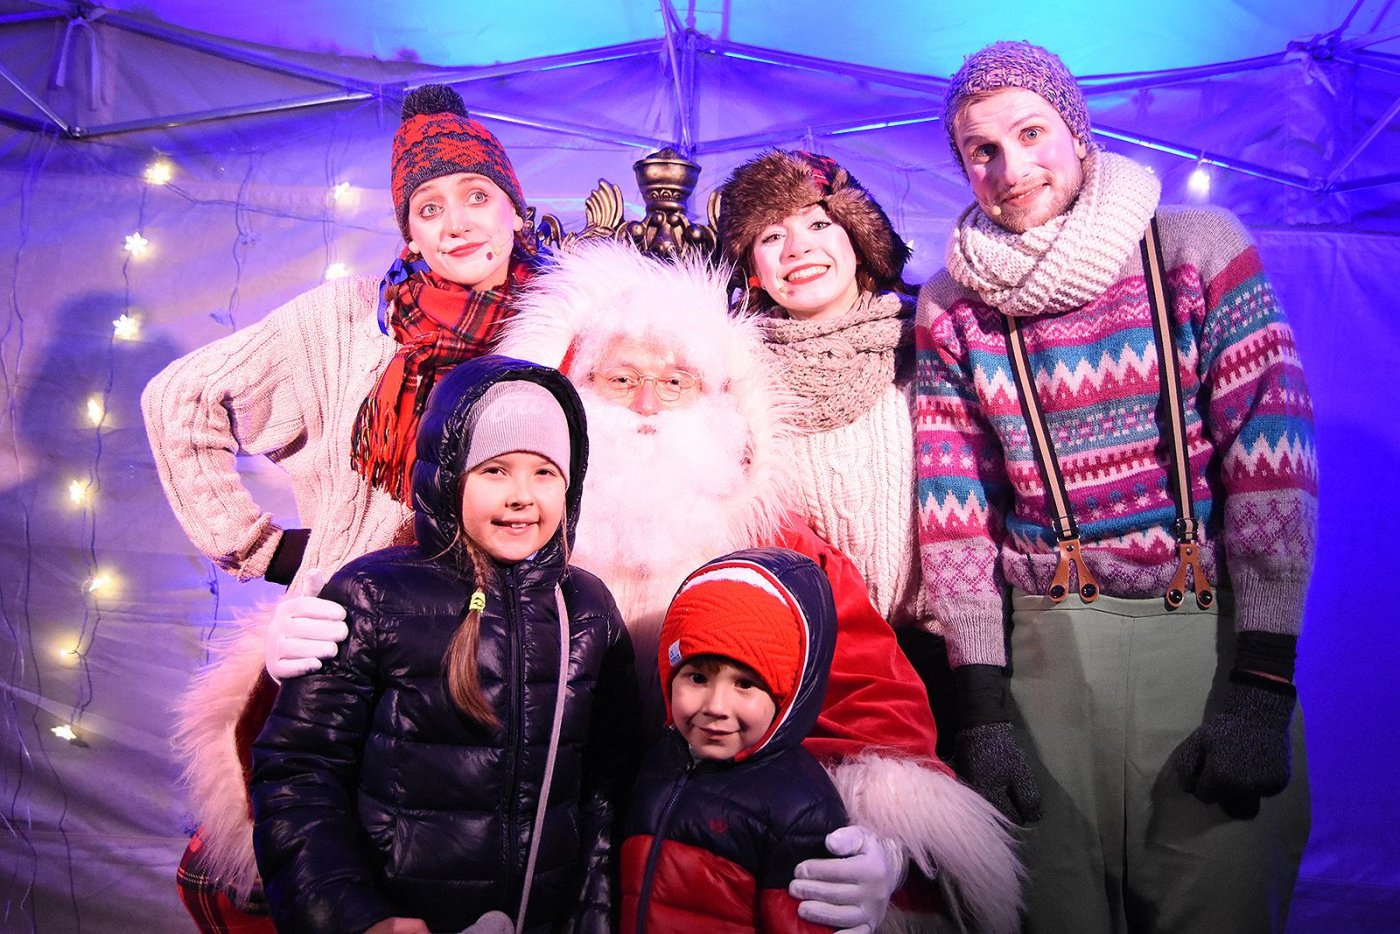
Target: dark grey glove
x,y
985,753
1242,752
989,759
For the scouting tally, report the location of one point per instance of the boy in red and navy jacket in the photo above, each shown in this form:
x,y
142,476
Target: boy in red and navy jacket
x,y
728,802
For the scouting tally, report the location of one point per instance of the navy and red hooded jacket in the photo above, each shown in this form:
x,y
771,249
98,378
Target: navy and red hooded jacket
x,y
711,845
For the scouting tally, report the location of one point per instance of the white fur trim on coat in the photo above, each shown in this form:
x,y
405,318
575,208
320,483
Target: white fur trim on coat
x,y
946,828
602,290
206,718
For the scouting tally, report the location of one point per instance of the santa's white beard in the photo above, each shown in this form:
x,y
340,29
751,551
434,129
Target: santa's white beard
x,y
663,495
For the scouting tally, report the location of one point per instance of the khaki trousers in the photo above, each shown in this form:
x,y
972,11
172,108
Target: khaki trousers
x,y
1104,693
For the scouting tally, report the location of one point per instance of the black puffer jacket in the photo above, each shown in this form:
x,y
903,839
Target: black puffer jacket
x,y
373,796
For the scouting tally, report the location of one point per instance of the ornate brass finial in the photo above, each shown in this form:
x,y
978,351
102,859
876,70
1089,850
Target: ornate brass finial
x,y
666,180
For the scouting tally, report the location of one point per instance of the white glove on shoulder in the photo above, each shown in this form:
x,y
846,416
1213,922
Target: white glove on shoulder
x,y
303,630
851,892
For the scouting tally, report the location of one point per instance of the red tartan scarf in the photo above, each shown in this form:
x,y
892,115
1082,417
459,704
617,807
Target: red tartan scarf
x,y
437,324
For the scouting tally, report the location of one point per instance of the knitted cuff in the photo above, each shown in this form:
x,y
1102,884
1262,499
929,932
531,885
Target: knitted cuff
x,y
286,559
974,630
981,691
1269,653
1267,604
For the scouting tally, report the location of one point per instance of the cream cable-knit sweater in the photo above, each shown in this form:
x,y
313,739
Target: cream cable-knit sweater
x,y
289,388
857,483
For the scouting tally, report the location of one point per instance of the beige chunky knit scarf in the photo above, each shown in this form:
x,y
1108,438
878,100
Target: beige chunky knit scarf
x,y
1068,260
840,366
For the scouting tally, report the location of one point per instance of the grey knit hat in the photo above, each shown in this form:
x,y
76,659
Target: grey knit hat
x,y
518,415
1017,65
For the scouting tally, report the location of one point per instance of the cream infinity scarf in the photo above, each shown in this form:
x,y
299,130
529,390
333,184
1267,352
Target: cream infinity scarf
x,y
839,366
1068,260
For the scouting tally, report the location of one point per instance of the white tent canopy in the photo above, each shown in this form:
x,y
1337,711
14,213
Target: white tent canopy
x,y
275,122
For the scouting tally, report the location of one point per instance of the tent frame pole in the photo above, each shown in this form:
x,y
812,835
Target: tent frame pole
x,y
1362,144
1206,157
54,119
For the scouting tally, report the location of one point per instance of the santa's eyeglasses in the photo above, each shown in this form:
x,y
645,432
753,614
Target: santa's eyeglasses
x,y
623,382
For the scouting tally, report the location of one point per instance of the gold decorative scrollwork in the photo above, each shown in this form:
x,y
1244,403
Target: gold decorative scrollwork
x,y
666,180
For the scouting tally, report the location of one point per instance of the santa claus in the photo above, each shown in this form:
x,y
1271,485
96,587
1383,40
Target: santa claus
x,y
690,454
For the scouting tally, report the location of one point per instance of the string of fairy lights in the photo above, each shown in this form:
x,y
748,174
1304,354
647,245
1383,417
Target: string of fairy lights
x,y
83,490
98,576
138,247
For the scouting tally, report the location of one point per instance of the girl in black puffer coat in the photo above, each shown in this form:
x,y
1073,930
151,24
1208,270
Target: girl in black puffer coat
x,y
403,780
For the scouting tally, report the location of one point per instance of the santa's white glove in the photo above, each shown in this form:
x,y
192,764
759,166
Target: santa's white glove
x,y
303,630
850,893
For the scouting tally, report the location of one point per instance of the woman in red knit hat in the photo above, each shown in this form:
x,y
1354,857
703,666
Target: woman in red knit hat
x,y
330,387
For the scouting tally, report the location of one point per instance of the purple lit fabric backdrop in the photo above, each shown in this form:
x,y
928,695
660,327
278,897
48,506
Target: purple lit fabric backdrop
x,y
93,831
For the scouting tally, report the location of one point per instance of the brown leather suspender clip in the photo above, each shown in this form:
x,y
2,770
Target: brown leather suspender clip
x,y
1188,560
1070,557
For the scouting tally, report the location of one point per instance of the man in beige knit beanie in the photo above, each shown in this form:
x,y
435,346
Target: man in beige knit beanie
x,y
1139,714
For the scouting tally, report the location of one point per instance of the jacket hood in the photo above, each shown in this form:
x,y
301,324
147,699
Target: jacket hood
x,y
804,587
443,442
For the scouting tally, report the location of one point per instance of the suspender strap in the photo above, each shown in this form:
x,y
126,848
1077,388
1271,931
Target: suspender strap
x,y
1173,407
1066,532
1190,576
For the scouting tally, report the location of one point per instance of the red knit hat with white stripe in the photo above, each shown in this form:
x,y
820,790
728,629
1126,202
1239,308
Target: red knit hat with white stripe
x,y
737,613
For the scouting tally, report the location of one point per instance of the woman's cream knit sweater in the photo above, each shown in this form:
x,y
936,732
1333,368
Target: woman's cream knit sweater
x,y
289,388
857,483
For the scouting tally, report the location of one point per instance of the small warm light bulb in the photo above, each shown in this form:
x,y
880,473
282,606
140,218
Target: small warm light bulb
x,y
78,491
1199,182
159,172
95,410
337,271
70,655
137,245
126,328
344,197
64,731
98,582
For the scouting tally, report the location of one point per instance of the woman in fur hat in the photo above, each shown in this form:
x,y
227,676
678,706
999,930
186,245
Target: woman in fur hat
x,y
822,260
330,387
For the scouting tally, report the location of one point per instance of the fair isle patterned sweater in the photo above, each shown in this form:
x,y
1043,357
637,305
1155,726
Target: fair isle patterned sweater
x,y
983,515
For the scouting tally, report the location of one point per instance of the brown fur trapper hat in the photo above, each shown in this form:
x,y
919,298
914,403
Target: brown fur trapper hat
x,y
780,183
